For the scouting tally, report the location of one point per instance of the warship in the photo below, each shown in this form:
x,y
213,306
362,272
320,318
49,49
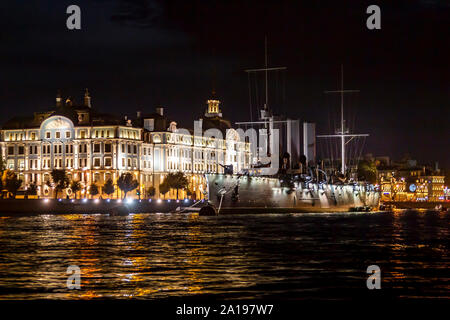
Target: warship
x,y
296,184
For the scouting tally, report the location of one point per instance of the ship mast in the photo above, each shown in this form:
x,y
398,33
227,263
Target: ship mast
x,y
265,115
266,105
342,132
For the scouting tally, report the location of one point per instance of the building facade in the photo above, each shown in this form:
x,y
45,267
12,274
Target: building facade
x,y
410,184
93,147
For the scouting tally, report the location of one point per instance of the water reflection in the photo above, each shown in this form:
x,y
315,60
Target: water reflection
x,y
151,256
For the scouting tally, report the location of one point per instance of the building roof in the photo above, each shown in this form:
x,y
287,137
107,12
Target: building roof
x,y
68,112
216,123
94,118
20,122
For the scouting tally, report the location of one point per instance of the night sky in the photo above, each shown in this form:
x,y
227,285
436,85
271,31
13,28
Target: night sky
x,y
135,55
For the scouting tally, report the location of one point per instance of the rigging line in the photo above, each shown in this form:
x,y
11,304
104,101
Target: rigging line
x,y
357,97
256,93
335,144
331,129
348,151
279,86
362,147
276,91
280,96
250,97
348,155
284,89
353,108
327,141
356,160
356,152
359,150
356,156
353,152
321,150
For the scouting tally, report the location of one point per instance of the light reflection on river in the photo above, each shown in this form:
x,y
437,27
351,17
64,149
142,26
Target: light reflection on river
x,y
292,256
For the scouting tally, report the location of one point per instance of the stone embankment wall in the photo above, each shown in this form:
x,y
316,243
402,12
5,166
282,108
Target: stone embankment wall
x,y
67,206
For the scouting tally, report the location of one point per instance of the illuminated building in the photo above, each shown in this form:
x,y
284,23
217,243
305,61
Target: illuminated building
x,y
436,188
446,193
93,147
410,184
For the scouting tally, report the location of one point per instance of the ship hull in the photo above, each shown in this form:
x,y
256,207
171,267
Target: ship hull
x,y
267,192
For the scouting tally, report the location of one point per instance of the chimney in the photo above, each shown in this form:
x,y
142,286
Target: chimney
x,y
138,114
58,98
87,99
160,111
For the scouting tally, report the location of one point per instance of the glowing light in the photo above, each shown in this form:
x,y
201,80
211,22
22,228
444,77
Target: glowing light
x,y
149,200
59,199
96,201
119,200
73,200
129,200
186,200
108,200
168,200
159,201
85,200
45,200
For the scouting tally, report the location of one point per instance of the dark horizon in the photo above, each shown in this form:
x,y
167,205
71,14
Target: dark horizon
x,y
135,55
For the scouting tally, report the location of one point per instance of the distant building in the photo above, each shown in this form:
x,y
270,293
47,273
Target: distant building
x,y
405,181
436,188
93,147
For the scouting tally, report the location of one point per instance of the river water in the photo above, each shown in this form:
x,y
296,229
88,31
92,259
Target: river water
x,y
269,256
